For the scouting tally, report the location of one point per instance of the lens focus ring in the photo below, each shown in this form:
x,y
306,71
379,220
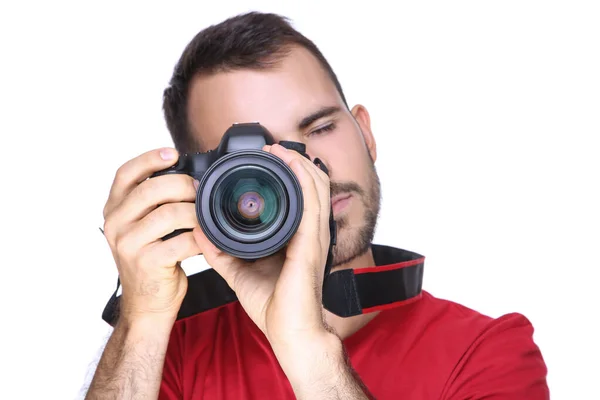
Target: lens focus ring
x,y
249,203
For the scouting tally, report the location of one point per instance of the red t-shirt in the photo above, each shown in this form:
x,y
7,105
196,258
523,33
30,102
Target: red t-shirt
x,y
428,349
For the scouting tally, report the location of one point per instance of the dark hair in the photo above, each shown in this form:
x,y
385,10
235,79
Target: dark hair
x,y
248,41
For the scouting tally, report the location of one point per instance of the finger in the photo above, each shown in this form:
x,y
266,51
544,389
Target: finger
x,y
168,253
288,155
285,154
209,250
303,168
303,246
318,171
302,274
135,171
323,188
226,265
324,191
147,196
159,223
321,181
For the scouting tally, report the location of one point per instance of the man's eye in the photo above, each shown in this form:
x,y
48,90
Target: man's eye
x,y
323,129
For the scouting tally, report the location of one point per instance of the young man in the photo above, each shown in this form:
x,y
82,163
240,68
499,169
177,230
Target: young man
x,y
278,342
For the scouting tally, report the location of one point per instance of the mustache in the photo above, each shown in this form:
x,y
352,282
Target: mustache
x,y
336,188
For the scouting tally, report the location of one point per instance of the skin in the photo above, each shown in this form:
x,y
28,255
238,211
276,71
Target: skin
x,y
282,293
279,99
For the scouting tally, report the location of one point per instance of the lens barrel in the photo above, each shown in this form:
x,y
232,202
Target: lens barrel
x,y
249,204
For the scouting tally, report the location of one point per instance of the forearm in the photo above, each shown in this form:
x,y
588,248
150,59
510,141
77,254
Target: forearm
x,y
132,363
321,370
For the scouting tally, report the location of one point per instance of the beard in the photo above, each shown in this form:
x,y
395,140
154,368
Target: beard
x,y
354,241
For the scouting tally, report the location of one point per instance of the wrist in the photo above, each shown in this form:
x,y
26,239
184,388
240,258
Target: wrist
x,y
132,362
146,328
315,362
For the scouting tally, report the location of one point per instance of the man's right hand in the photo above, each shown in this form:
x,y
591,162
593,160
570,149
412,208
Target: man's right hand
x,y
137,214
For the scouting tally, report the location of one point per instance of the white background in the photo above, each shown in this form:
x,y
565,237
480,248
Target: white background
x,y
487,117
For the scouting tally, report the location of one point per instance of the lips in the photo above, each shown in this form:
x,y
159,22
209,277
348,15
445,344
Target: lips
x,y
340,201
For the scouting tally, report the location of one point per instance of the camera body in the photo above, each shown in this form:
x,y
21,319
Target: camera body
x,y
249,202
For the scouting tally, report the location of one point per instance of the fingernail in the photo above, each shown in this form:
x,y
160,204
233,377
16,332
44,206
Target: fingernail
x,y
196,184
167,154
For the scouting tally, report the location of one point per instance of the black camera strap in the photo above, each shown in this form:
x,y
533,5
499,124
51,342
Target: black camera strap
x,y
396,278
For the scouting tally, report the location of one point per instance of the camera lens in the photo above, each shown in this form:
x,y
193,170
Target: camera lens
x,y
249,203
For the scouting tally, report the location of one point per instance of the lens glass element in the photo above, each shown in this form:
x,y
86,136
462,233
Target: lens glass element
x,y
249,203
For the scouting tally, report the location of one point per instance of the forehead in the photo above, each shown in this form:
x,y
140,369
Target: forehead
x,y
277,97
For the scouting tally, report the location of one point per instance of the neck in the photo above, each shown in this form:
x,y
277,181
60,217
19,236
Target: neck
x,y
345,327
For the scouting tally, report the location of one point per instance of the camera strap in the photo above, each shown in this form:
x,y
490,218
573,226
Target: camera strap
x,y
396,279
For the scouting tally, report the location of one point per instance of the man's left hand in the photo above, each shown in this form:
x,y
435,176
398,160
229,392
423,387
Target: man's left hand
x,y
282,293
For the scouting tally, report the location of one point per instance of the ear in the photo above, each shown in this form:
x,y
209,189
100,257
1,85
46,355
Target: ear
x,y
361,115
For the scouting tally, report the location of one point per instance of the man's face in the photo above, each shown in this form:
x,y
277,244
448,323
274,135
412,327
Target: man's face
x,y
298,101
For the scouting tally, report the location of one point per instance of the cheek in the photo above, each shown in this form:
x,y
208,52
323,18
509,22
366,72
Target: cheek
x,y
345,156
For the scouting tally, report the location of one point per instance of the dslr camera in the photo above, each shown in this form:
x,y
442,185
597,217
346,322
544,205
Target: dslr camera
x,y
249,202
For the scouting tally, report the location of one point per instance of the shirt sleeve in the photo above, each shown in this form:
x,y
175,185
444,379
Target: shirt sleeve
x,y
170,387
502,363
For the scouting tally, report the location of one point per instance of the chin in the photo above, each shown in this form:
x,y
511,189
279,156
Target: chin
x,y
351,244
356,223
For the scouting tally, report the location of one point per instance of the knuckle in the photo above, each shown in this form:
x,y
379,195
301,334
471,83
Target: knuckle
x,y
125,248
171,253
122,173
152,218
321,174
189,182
167,212
177,248
183,184
168,253
145,189
109,229
191,214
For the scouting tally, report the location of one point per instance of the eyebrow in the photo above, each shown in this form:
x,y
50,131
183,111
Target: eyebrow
x,y
321,113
